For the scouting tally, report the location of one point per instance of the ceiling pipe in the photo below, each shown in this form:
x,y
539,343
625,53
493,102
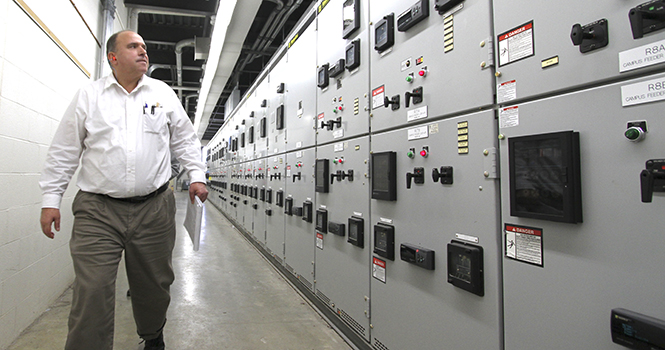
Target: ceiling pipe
x,y
178,59
187,101
281,24
109,16
156,66
265,41
135,11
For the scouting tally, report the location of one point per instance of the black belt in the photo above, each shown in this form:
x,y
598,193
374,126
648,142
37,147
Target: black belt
x,y
141,199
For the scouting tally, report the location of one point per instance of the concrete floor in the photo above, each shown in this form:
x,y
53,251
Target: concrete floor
x,y
225,296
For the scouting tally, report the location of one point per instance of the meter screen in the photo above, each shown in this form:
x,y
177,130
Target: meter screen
x,y
321,179
462,266
382,32
545,177
384,184
350,55
384,241
381,241
538,176
353,232
356,232
351,16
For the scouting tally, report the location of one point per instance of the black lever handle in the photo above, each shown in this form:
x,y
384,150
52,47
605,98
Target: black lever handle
x,y
337,175
646,182
298,175
416,94
653,12
418,176
348,175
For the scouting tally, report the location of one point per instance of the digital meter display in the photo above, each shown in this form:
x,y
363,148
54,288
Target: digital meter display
x,y
384,241
465,267
384,33
353,55
321,179
323,78
351,14
384,168
356,231
545,177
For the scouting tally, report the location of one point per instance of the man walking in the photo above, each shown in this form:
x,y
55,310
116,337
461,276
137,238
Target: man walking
x,y
122,129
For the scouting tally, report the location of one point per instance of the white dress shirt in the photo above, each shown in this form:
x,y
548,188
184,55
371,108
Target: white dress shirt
x,y
123,141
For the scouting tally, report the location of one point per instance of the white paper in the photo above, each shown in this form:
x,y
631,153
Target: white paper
x,y
193,221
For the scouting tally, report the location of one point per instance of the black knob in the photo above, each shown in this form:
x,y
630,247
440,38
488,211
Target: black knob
x,y
577,34
392,102
445,174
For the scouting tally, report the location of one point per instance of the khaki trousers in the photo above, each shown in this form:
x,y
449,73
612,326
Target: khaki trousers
x,y
103,228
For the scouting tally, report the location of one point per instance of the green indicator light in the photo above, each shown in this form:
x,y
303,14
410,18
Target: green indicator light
x,y
409,78
632,134
651,8
410,154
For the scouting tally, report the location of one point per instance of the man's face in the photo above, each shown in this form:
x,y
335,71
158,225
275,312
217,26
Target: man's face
x,y
131,56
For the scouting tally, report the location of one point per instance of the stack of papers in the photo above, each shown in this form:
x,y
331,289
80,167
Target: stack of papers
x,y
193,221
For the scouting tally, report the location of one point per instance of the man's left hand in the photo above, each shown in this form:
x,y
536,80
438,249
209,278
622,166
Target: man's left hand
x,y
198,189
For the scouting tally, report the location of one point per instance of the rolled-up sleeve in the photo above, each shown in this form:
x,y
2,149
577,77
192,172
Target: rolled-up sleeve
x,y
185,145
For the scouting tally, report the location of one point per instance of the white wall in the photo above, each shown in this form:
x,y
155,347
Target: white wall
x,y
37,82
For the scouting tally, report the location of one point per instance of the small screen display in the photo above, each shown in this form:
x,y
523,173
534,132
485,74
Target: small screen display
x,y
350,55
540,175
462,267
381,173
322,75
382,33
353,232
349,13
381,241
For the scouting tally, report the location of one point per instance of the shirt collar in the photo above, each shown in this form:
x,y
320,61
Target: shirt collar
x,y
111,80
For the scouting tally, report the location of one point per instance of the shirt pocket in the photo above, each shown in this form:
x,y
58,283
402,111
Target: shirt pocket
x,y
155,123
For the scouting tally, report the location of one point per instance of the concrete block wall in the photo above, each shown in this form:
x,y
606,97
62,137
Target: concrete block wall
x,y
37,82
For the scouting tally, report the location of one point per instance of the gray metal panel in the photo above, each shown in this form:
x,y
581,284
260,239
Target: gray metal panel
x,y
275,222
418,306
553,22
342,269
300,235
261,182
279,74
344,89
455,81
300,108
614,258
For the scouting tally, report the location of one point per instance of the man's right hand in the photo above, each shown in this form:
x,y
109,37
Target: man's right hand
x,y
49,216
